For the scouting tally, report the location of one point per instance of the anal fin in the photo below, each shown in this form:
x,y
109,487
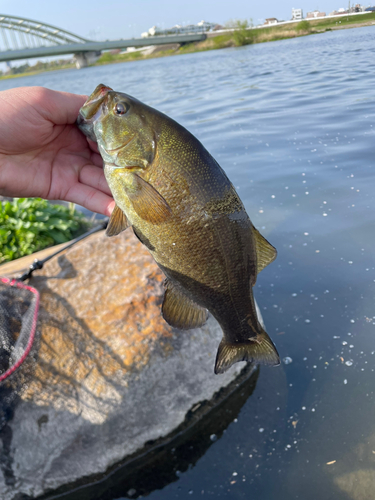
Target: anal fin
x,y
117,223
260,350
266,253
180,311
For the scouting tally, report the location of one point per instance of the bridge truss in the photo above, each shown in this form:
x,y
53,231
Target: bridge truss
x,y
22,38
17,33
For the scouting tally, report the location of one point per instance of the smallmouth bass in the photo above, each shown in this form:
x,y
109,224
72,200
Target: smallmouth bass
x,y
183,208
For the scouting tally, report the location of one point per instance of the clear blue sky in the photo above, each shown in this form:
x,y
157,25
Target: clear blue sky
x,y
113,19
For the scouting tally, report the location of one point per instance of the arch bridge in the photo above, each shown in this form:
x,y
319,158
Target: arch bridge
x,y
23,38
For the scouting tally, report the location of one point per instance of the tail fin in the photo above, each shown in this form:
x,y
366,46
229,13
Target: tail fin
x,y
260,350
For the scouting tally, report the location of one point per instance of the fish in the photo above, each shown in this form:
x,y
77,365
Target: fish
x,y
185,211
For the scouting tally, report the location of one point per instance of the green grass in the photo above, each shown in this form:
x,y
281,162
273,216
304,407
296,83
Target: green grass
x,y
342,21
28,225
37,71
243,34
303,26
108,58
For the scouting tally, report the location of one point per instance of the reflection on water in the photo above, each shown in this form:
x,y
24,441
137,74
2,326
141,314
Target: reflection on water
x,y
292,123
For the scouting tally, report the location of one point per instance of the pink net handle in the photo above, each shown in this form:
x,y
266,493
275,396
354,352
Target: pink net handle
x,y
18,363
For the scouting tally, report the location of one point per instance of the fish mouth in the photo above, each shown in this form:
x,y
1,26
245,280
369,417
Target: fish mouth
x,y
91,110
80,120
94,101
86,127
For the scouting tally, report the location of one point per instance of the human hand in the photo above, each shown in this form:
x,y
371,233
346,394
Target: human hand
x,y
43,154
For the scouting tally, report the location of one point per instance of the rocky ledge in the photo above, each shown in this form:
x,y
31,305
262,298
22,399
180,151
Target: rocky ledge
x,y
107,376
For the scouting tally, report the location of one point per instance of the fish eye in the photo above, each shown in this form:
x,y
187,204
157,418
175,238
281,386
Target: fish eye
x,y
120,108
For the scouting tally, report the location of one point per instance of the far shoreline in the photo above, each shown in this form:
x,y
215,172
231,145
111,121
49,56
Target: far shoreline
x,y
231,38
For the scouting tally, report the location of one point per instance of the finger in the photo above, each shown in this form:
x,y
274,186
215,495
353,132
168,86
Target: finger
x,y
64,107
91,198
97,160
94,177
58,107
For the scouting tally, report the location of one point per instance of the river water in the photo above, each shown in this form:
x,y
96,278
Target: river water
x,y
293,125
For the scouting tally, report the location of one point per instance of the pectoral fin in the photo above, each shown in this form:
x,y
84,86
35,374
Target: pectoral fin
x,y
117,223
180,311
146,201
266,253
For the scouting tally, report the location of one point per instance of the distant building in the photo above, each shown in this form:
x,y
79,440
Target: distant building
x,y
357,8
271,20
205,25
370,9
201,27
151,32
315,14
297,14
339,12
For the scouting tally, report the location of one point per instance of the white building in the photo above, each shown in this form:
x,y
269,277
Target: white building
x,y
201,27
205,26
152,32
271,20
297,14
315,14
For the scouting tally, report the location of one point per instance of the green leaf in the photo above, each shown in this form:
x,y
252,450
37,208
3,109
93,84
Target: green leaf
x,y
31,224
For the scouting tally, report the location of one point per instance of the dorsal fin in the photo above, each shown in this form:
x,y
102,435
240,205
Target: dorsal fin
x,y
266,253
180,311
117,223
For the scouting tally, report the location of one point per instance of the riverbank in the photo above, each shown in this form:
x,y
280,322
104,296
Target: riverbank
x,y
232,38
243,36
37,72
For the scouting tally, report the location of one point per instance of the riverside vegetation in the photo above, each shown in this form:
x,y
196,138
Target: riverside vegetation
x,y
28,225
239,33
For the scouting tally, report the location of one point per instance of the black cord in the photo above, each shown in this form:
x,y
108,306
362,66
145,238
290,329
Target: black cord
x,y
38,264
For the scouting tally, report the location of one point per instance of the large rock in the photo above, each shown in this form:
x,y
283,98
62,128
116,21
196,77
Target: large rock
x,y
109,376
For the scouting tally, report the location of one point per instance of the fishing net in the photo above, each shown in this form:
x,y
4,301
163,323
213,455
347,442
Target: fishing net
x,y
19,305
